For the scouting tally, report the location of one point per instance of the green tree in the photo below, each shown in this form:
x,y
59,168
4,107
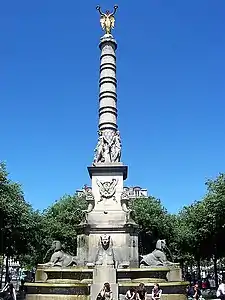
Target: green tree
x,y
16,222
60,220
154,221
215,218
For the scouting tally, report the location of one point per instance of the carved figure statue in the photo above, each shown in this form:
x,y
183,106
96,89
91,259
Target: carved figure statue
x,y
59,258
108,150
99,150
107,19
107,189
116,148
124,204
105,254
157,257
107,156
91,203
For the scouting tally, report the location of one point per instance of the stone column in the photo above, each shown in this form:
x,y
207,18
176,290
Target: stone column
x,y
107,87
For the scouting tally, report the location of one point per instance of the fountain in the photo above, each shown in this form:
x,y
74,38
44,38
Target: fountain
x,y
107,240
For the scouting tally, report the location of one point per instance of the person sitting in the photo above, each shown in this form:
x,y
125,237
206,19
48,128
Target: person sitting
x,y
105,293
130,294
190,292
156,292
141,292
9,292
221,290
197,292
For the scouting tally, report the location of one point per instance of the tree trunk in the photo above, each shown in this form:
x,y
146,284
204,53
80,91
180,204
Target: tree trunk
x,y
198,269
3,257
215,267
6,269
182,268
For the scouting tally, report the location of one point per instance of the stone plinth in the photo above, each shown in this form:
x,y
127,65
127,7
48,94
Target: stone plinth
x,y
175,274
108,217
114,174
124,244
102,275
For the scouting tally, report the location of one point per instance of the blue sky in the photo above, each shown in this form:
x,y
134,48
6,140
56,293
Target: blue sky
x,y
171,91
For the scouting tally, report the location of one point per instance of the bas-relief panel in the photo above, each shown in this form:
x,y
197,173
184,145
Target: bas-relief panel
x,y
114,201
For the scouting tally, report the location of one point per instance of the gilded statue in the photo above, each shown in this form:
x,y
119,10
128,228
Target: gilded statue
x,y
107,19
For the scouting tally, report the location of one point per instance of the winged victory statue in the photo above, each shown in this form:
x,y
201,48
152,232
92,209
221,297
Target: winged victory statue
x,y
107,19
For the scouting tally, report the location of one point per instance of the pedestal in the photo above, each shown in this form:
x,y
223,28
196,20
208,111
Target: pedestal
x,y
100,276
124,244
108,217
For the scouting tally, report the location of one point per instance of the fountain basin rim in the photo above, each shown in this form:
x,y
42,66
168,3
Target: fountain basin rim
x,y
55,284
68,269
150,269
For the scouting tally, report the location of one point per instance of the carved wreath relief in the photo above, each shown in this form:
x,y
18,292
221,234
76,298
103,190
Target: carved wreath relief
x,y
107,189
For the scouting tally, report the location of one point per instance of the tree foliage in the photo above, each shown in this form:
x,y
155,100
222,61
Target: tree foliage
x,y
196,232
16,217
58,222
61,219
154,221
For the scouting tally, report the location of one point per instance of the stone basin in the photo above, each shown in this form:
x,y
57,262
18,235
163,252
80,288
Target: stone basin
x,y
157,274
64,275
73,283
57,291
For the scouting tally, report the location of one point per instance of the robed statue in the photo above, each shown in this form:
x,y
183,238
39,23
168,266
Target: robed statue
x,y
107,19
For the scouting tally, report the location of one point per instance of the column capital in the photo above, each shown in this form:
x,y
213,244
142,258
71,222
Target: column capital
x,y
107,38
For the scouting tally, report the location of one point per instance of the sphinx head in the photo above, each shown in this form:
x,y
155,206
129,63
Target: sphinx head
x,y
161,244
56,246
105,241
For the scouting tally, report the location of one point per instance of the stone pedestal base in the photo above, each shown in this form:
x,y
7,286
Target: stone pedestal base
x,y
108,217
100,276
124,245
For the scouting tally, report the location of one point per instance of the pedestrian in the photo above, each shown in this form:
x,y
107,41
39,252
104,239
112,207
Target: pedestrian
x,y
105,293
141,292
9,292
130,294
220,293
197,292
156,292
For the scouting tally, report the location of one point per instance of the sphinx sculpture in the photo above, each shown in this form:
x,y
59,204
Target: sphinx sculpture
x,y
59,258
105,253
157,257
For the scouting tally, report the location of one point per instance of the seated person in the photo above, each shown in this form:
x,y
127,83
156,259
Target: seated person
x,y
130,294
197,292
156,292
141,292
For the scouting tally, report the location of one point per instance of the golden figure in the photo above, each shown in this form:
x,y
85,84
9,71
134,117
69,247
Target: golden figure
x,y
107,19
